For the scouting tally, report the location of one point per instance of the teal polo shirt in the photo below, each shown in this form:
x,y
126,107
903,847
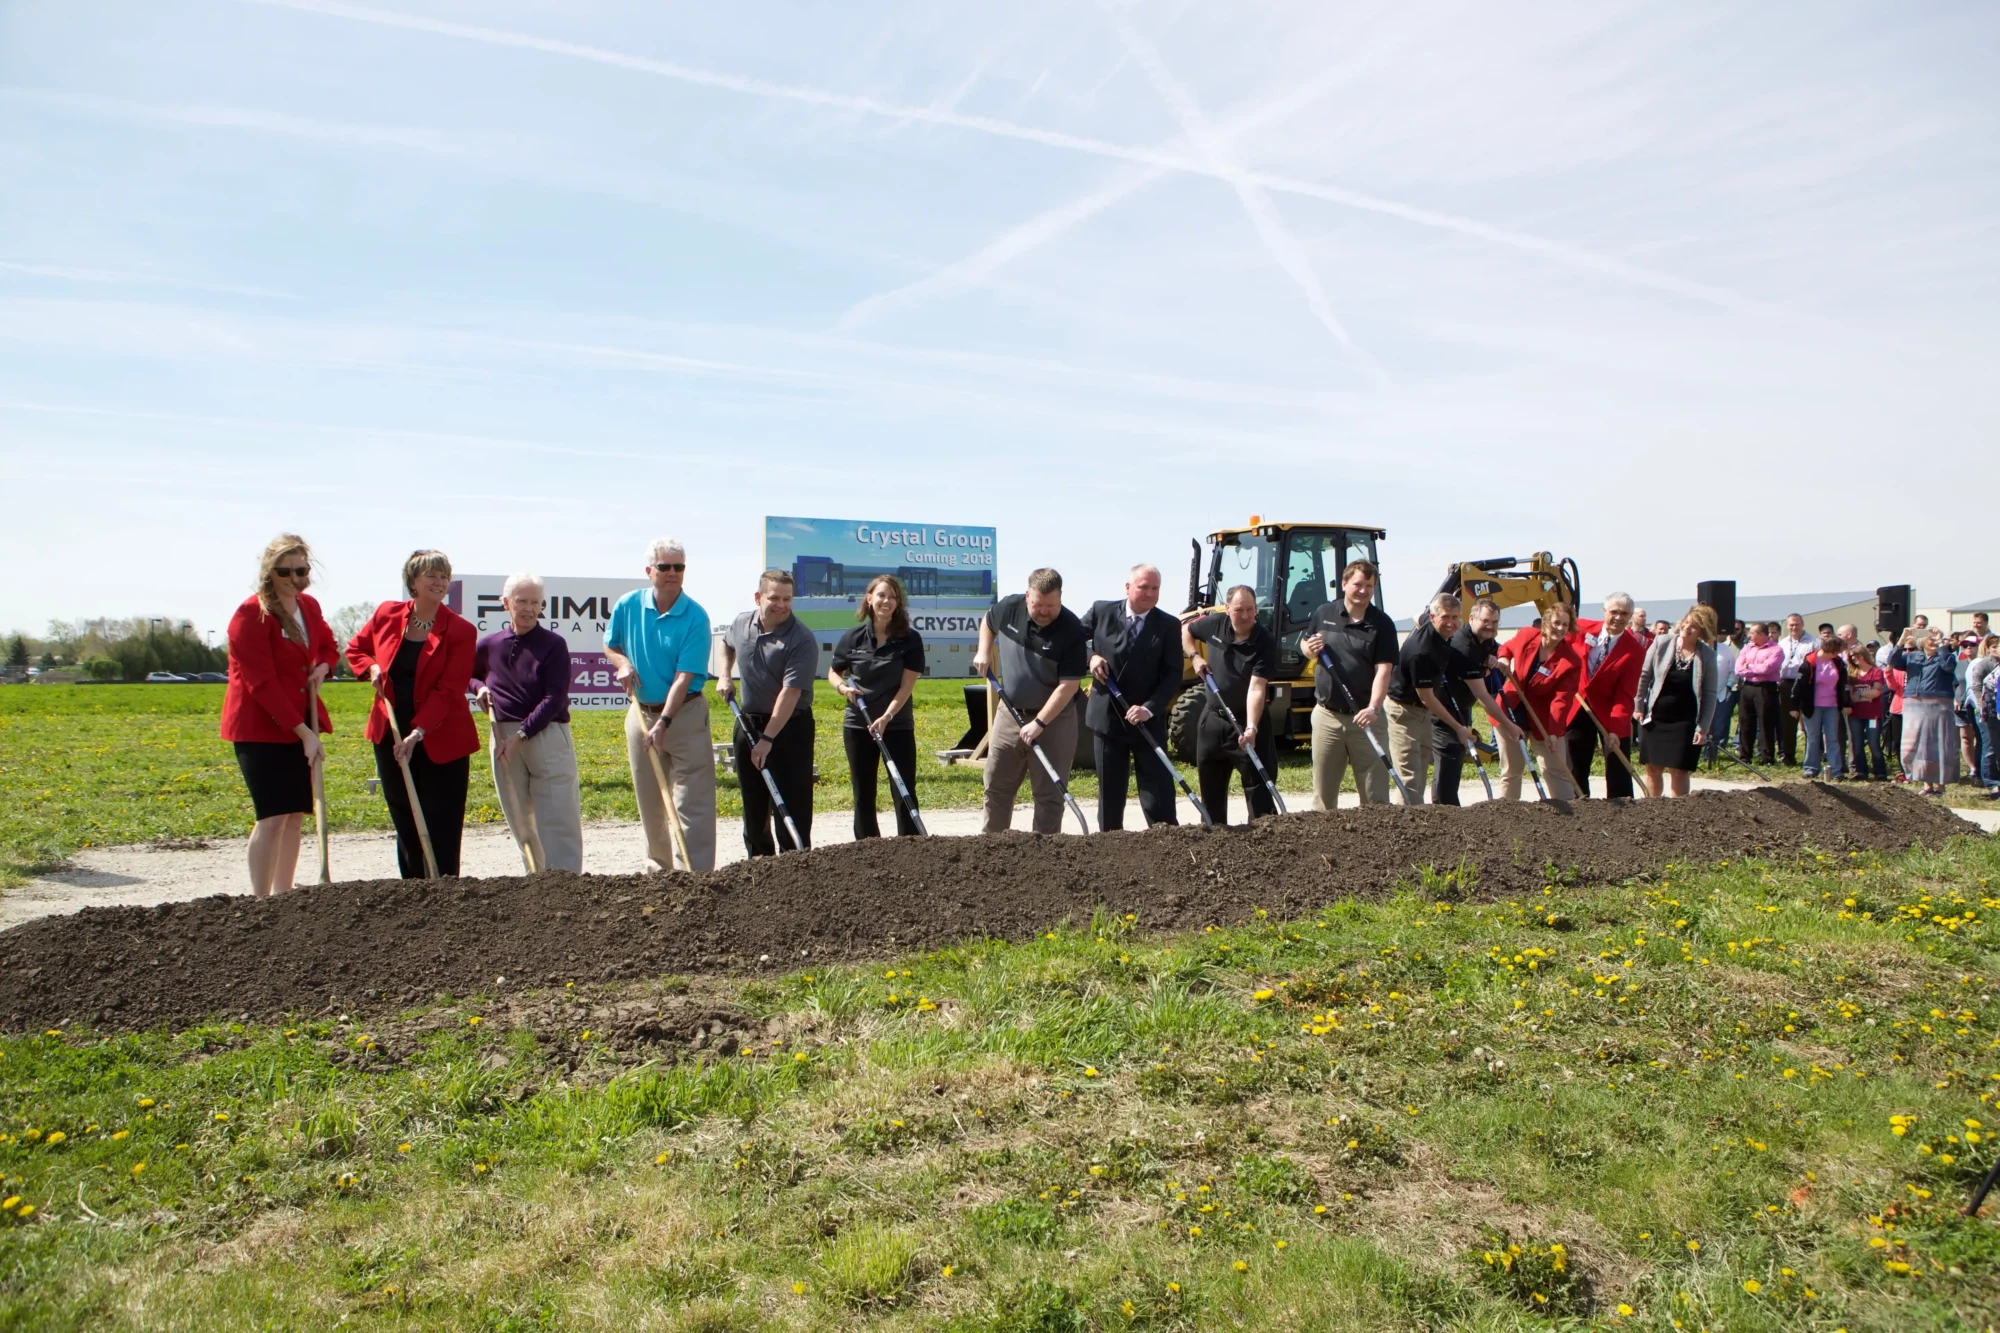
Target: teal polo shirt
x,y
660,646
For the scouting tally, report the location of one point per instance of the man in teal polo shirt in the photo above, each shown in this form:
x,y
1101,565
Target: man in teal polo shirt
x,y
659,642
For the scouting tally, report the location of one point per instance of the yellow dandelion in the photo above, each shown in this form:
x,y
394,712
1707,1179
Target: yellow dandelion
x,y
1240,1266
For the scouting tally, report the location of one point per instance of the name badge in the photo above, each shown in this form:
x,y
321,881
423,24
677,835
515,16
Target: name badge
x,y
1542,670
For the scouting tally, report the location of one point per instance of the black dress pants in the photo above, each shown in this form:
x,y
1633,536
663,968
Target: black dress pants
x,y
1788,726
791,763
1450,757
1219,753
441,795
1757,722
1117,756
864,762
1583,739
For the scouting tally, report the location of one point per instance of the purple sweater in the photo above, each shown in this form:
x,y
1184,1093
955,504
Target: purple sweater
x,y
528,675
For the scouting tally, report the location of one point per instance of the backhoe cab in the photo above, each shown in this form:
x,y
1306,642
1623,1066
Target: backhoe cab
x,y
1291,567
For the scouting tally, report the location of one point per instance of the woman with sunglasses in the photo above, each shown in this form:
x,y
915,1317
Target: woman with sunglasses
x,y
279,648
418,654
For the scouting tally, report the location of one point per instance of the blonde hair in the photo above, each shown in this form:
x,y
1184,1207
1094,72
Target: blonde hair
x,y
1988,644
279,547
1703,619
424,562
1563,609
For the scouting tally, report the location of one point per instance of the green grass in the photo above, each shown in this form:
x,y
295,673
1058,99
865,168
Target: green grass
x,y
103,765
1680,1095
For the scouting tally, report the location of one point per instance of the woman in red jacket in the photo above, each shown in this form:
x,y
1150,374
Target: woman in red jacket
x,y
1548,666
278,646
418,655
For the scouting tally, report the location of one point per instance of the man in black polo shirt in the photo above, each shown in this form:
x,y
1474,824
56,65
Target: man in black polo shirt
x,y
1467,660
1042,657
1348,700
1242,658
1136,645
778,659
1416,713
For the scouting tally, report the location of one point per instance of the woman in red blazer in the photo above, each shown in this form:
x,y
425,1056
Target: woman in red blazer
x,y
1548,666
418,654
278,645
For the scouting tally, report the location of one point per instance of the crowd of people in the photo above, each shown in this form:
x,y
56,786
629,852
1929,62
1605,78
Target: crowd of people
x,y
1398,712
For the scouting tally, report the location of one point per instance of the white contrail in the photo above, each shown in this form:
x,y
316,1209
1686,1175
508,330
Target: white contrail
x,y
977,267
1279,241
964,274
1007,129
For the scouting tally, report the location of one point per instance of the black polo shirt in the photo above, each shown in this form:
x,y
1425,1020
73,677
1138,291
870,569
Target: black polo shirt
x,y
877,670
1465,661
1234,661
1420,665
1358,647
1035,659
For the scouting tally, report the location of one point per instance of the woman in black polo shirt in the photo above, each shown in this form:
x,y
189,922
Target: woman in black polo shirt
x,y
879,662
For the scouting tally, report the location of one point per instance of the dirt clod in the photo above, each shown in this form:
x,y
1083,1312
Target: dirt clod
x,y
344,946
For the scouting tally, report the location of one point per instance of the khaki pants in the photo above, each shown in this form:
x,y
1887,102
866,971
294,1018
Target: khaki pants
x,y
538,794
1411,732
1337,742
1008,760
690,763
1513,767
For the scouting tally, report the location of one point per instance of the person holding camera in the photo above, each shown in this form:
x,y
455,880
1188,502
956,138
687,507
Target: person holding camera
x,y
1930,724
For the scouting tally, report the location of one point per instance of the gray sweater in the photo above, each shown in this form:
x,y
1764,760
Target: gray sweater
x,y
1652,676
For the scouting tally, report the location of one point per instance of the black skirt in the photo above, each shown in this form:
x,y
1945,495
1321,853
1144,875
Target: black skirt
x,y
279,778
1667,741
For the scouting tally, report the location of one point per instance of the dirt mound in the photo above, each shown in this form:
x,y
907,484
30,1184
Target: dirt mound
x,y
377,944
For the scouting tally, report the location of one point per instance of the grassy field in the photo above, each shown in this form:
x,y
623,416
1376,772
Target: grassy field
x,y
100,765
1741,1097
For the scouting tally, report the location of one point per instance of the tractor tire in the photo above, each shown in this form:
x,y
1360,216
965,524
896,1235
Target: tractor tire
x,y
1182,719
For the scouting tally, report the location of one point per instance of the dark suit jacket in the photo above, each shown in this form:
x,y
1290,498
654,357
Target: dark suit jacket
x,y
1147,668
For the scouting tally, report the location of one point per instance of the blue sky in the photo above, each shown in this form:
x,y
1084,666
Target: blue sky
x,y
1682,291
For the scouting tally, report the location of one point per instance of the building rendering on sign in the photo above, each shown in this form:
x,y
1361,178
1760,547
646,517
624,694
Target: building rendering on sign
x,y
947,570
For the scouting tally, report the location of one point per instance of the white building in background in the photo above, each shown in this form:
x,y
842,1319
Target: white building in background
x,y
1959,618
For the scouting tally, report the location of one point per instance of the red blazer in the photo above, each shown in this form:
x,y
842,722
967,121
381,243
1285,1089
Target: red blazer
x,y
444,672
266,694
1611,691
1553,686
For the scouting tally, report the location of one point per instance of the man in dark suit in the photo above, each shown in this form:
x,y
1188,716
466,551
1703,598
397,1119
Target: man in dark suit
x,y
1137,645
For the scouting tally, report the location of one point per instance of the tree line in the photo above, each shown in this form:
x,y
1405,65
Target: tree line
x,y
113,649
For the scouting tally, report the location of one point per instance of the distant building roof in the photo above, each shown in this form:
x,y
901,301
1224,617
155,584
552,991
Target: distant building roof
x,y
1991,604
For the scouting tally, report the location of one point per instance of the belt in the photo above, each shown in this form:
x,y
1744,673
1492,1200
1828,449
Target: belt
x,y
656,709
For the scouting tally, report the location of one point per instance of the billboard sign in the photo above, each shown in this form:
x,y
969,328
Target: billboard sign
x,y
946,568
577,609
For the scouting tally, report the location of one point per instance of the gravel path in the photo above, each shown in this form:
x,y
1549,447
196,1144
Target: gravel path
x,y
145,875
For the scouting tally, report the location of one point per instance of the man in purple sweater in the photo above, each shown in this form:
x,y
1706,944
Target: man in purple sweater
x,y
521,674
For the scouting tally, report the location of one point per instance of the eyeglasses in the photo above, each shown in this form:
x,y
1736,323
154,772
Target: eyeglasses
x,y
289,572
669,569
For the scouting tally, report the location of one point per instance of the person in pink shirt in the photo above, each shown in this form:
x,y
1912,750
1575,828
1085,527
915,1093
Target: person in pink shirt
x,y
1820,702
1867,687
1757,666
1892,712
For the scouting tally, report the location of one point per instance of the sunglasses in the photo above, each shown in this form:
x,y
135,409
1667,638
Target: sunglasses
x,y
289,572
670,569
